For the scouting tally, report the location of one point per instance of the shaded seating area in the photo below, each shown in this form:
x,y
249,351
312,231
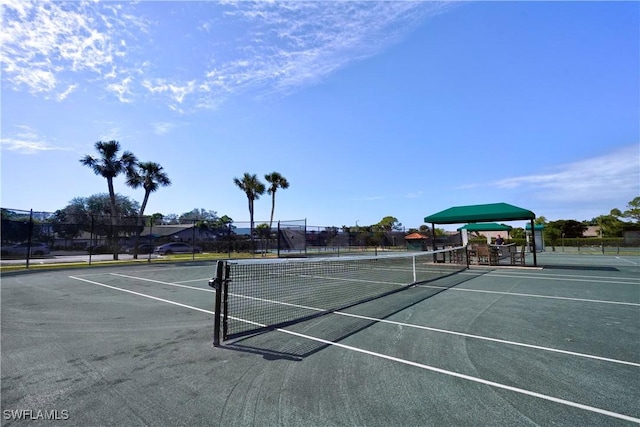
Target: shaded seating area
x,y
477,216
482,254
488,254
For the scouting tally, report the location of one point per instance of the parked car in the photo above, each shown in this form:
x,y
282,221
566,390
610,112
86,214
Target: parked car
x,y
37,249
99,249
144,248
176,248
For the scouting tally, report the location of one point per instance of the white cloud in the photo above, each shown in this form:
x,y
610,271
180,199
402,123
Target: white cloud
x,y
611,176
122,89
36,80
110,132
47,43
162,128
368,199
414,195
63,95
27,141
274,47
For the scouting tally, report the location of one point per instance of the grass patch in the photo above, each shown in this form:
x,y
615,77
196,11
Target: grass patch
x,y
51,264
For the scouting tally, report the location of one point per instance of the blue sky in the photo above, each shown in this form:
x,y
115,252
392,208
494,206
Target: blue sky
x,y
368,109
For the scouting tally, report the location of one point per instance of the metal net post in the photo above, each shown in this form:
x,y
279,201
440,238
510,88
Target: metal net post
x,y
216,283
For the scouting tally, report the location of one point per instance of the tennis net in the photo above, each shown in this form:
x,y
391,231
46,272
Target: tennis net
x,y
266,294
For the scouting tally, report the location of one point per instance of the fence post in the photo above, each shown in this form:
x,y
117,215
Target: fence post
x,y
91,240
279,239
150,238
230,247
193,240
29,236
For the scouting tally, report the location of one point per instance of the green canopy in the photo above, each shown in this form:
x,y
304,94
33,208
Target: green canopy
x,y
535,227
483,213
480,213
486,226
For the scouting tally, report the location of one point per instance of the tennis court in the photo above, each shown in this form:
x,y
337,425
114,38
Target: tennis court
x,y
554,345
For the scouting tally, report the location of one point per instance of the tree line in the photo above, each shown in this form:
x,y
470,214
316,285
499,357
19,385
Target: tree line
x,y
150,176
611,225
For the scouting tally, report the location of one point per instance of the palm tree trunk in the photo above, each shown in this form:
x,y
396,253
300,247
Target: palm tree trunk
x,y
140,224
273,208
251,218
114,213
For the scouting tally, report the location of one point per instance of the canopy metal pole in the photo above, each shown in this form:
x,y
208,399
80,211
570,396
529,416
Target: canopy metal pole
x,y
533,244
433,240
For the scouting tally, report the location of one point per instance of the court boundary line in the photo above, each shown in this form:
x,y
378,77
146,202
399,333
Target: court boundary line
x,y
143,295
626,260
507,272
565,277
471,378
409,325
432,329
518,294
162,283
497,340
404,361
398,284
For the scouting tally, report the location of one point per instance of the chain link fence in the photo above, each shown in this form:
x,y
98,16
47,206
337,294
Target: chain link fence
x,y
32,235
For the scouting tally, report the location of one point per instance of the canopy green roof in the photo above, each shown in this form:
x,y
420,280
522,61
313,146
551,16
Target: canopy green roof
x,y
486,226
480,213
535,227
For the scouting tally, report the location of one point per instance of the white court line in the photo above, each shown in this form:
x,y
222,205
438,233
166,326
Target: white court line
x,y
194,280
480,337
155,268
627,260
531,295
443,331
143,295
565,278
405,362
408,325
595,279
163,283
470,378
211,290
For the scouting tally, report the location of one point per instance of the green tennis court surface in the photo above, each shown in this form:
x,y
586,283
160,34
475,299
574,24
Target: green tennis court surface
x,y
556,345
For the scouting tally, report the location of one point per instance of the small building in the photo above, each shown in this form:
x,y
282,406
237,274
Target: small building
x,y
417,242
538,230
592,231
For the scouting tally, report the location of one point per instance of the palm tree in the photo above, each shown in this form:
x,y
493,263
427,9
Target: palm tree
x,y
277,181
150,176
253,188
109,165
